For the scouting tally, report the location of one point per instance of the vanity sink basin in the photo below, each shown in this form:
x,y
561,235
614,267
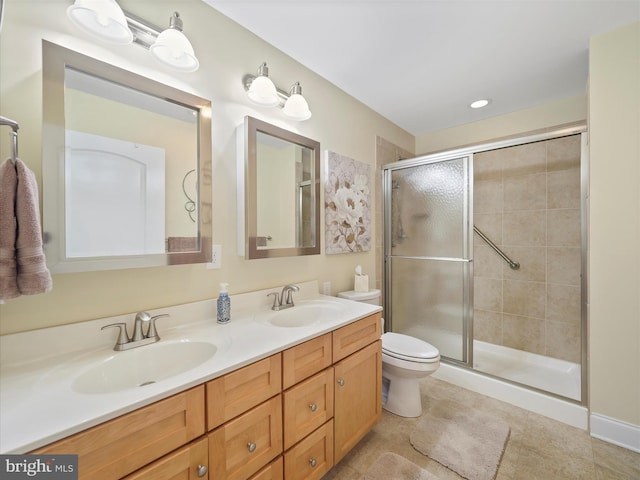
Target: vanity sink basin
x,y
143,366
304,314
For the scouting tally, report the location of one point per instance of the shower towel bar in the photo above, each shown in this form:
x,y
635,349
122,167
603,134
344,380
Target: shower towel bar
x,y
14,136
512,264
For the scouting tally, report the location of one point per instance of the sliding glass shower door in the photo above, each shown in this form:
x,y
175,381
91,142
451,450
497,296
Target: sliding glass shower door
x,y
428,274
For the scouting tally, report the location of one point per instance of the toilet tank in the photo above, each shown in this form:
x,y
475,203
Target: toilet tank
x,y
372,296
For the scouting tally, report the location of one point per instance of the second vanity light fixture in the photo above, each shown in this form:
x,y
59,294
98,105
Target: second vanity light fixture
x,y
106,20
261,91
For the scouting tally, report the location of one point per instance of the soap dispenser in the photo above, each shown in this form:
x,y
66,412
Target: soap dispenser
x,y
224,304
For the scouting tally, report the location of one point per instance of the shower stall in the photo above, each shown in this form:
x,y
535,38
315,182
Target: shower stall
x,y
484,254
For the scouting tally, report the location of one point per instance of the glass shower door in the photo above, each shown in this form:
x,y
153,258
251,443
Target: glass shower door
x,y
427,258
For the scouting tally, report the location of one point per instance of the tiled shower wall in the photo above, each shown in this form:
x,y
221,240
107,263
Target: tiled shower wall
x,y
526,199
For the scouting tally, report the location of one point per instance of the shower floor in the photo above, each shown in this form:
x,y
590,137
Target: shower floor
x,y
545,373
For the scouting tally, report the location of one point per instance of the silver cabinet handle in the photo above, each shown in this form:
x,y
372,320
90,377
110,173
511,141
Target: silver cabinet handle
x,y
341,382
202,470
313,462
251,447
313,407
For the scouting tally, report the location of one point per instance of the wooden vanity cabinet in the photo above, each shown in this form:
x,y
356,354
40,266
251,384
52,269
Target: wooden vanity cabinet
x,y
116,448
187,463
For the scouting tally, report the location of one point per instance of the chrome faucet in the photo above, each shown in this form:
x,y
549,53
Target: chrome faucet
x,y
286,297
139,337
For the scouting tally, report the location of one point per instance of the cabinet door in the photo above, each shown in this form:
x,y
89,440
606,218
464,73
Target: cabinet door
x,y
236,392
356,335
358,397
307,406
188,463
312,457
120,446
244,445
273,471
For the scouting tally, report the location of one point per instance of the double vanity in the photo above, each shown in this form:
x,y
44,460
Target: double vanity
x,y
271,395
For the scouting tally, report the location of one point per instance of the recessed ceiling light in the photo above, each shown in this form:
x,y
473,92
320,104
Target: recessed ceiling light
x,y
480,103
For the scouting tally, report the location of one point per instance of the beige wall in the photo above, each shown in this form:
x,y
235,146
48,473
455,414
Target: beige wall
x,y
226,52
614,224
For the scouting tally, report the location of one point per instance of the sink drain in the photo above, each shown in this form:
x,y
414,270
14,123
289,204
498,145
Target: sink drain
x,y
147,383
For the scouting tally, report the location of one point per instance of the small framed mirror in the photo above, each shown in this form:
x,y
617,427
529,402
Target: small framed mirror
x,y
278,192
126,168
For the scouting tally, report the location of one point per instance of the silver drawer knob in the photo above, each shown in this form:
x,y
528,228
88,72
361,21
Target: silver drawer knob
x,y
313,462
202,470
341,382
313,407
251,447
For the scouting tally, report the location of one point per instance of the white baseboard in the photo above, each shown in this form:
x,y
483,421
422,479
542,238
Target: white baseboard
x,y
615,431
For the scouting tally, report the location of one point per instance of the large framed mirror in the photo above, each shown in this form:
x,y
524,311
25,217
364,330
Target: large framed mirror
x,y
126,165
278,192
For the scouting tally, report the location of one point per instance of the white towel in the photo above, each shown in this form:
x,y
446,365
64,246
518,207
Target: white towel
x,y
33,275
8,270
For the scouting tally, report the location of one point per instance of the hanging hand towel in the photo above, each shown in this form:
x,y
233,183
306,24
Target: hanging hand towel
x,y
33,275
8,272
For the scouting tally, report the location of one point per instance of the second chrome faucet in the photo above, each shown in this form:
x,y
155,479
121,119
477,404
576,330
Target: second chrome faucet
x,y
286,297
139,337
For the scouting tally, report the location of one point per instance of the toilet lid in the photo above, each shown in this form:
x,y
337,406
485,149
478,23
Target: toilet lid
x,y
403,346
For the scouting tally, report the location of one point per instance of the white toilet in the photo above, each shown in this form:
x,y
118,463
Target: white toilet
x,y
405,360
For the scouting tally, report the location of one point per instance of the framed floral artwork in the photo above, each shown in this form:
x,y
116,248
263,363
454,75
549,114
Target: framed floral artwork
x,y
347,204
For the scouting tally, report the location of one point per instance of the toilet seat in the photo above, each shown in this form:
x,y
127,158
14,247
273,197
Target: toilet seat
x,y
411,349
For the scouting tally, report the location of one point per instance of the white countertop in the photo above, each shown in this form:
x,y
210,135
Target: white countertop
x,y
38,404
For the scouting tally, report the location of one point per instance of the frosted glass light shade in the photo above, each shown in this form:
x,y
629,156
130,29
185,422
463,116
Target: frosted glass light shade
x,y
297,108
172,48
263,92
101,18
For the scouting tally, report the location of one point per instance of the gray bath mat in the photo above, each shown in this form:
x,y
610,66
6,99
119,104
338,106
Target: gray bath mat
x,y
463,439
394,467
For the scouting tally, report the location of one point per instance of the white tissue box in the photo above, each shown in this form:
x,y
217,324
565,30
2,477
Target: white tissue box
x,y
361,283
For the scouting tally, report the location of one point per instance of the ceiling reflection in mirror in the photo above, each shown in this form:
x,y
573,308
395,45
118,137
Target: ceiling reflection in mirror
x,y
126,168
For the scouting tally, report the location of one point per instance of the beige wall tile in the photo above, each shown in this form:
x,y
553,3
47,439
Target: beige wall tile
x,y
563,341
488,196
563,303
563,189
563,265
532,260
563,227
524,228
524,298
524,159
487,166
563,153
486,263
525,192
523,333
487,294
491,225
487,326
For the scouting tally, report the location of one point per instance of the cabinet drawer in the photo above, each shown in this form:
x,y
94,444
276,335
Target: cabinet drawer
x,y
244,445
188,463
312,457
236,392
307,406
354,336
123,445
304,360
273,471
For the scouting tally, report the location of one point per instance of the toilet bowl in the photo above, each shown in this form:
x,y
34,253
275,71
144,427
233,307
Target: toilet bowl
x,y
405,360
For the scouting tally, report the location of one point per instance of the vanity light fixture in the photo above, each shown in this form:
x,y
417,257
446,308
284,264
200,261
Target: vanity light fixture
x,y
261,91
106,20
101,18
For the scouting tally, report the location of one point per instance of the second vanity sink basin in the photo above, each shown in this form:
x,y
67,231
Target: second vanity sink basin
x,y
143,366
303,314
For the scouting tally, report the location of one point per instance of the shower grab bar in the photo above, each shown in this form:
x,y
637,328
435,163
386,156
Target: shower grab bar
x,y
513,265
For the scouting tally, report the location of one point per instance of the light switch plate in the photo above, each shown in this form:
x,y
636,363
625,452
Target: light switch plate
x,y
216,257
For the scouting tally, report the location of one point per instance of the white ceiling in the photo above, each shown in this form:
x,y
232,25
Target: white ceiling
x,y
419,63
